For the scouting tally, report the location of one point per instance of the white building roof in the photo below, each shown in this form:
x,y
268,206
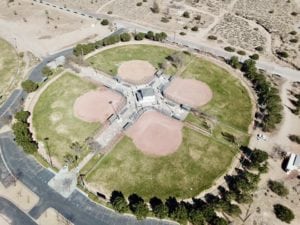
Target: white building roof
x,y
293,163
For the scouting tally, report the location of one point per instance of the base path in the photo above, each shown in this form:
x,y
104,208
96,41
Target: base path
x,y
191,92
136,71
156,134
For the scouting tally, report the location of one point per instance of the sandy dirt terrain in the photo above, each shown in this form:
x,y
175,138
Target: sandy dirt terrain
x,y
52,217
4,220
289,125
188,91
20,195
156,134
94,106
136,71
44,29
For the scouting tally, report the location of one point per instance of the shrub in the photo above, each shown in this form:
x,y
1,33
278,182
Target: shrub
x,y
259,48
182,33
198,17
164,20
293,32
195,28
234,62
278,188
294,40
155,7
254,56
139,4
104,22
294,138
282,54
294,13
186,14
241,52
229,49
29,86
283,213
212,37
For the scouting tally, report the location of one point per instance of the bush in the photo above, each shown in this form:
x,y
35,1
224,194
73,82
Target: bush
x,y
294,138
125,37
139,4
195,28
212,37
241,52
259,48
294,40
283,213
282,54
293,32
254,56
198,17
278,188
234,62
164,20
182,33
186,14
104,22
29,86
294,13
155,7
229,49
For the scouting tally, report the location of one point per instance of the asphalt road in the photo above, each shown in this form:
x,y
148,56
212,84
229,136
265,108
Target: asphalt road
x,y
17,216
77,208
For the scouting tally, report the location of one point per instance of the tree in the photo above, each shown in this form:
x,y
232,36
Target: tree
x,y
159,209
22,116
149,35
138,206
218,221
196,217
139,36
283,213
118,202
258,156
278,188
29,86
125,37
46,71
180,213
234,62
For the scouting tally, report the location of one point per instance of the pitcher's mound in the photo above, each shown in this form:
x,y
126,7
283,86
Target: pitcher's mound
x,y
94,105
156,134
136,71
190,92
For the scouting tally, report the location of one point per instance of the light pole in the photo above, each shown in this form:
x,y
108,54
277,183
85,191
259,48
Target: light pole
x,y
46,139
115,111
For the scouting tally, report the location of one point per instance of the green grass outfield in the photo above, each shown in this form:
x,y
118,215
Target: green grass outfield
x,y
8,65
185,173
53,115
109,60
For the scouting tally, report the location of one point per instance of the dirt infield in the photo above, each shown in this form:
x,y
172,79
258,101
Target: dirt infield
x,y
94,106
136,71
191,92
156,134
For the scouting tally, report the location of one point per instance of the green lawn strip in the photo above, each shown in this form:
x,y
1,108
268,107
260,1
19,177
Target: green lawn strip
x,y
187,172
109,60
8,65
53,116
89,166
231,103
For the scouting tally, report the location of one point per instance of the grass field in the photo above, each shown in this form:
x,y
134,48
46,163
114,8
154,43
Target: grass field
x,y
53,115
109,60
193,168
8,65
200,159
